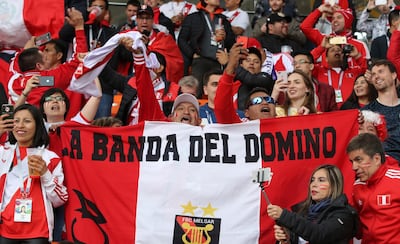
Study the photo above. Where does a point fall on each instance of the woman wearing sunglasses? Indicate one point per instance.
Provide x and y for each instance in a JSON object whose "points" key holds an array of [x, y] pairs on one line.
{"points": [[299, 95]]}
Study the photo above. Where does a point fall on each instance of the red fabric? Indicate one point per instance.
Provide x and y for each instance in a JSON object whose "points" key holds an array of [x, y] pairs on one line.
{"points": [[224, 108], [149, 107], [62, 76], [92, 222], [4, 74], [156, 11], [11, 229], [393, 53], [111, 211], [44, 16], [348, 17], [166, 46], [315, 36], [377, 202]]}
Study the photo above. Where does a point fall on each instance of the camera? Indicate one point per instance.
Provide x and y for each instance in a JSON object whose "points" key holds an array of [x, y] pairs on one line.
{"points": [[262, 175], [347, 49]]}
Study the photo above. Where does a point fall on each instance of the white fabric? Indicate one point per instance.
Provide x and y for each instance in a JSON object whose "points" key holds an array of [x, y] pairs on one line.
{"points": [[241, 20], [12, 25], [94, 62], [156, 212]]}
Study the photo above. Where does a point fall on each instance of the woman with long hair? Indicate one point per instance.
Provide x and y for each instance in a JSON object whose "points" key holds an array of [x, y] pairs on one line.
{"points": [[362, 94], [323, 217], [29, 182], [299, 95]]}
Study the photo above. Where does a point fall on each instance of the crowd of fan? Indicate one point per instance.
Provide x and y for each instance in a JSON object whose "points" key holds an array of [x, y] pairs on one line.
{"points": [[239, 69]]}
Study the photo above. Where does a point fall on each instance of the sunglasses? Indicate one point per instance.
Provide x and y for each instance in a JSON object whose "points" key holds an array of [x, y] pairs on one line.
{"points": [[259, 100], [54, 99]]}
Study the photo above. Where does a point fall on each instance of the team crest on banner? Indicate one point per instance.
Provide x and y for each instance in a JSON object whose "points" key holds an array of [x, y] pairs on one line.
{"points": [[196, 230]]}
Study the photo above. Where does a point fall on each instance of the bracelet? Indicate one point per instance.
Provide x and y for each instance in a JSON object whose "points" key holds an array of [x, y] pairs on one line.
{"points": [[25, 95]]}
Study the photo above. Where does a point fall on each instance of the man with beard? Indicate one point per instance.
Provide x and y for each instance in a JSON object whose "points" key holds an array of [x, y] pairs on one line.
{"points": [[384, 78]]}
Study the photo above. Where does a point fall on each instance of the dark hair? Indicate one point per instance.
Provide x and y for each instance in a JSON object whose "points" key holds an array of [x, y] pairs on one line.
{"points": [[105, 1], [40, 138], [203, 3], [61, 47], [393, 16], [386, 63], [50, 92], [308, 54], [254, 90], [309, 101], [133, 2], [107, 122], [336, 181], [369, 143], [255, 51], [372, 92], [28, 59], [206, 76]]}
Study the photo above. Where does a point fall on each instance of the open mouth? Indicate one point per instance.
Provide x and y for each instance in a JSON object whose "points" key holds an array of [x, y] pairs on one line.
{"points": [[55, 107], [265, 110], [185, 120]]}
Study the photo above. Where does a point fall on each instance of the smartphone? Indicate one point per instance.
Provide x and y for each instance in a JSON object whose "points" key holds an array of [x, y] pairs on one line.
{"points": [[282, 75], [335, 40], [146, 33], [380, 2], [42, 39], [7, 109], [242, 39], [46, 81]]}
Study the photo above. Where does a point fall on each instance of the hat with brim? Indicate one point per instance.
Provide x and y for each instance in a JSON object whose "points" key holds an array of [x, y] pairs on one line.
{"points": [[277, 17], [185, 98]]}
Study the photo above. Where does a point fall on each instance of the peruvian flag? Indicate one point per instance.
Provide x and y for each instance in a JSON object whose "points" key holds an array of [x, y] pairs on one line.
{"points": [[160, 182], [22, 19]]}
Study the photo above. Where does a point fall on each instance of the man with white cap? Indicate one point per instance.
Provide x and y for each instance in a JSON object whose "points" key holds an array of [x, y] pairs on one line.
{"points": [[184, 110]]}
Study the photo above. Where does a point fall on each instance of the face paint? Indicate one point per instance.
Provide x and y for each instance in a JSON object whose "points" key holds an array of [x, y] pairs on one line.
{"points": [[323, 186]]}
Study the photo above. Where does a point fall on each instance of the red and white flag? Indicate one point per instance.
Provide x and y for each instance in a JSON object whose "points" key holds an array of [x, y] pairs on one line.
{"points": [[22, 19], [160, 182]]}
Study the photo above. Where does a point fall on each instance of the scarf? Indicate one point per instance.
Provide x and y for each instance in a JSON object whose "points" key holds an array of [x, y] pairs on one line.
{"points": [[316, 208]]}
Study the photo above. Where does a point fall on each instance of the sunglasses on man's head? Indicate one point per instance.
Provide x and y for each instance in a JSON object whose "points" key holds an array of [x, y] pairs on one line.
{"points": [[259, 100]]}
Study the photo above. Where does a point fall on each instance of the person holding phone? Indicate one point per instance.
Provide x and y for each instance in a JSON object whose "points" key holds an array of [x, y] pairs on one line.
{"points": [[39, 194], [342, 20], [378, 26], [299, 95], [325, 216], [31, 63]]}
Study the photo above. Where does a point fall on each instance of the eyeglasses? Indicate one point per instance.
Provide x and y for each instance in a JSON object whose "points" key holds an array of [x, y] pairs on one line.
{"points": [[301, 61], [54, 99], [259, 100]]}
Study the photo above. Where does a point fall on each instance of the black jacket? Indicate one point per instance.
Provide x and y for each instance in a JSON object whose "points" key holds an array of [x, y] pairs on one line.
{"points": [[250, 81], [337, 224], [193, 27], [273, 43]]}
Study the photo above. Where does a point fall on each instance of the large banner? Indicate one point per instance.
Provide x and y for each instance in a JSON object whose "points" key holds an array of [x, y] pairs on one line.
{"points": [[163, 182]]}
